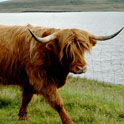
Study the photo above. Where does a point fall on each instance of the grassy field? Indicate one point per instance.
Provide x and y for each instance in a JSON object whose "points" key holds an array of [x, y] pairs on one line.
{"points": [[61, 5], [87, 102]]}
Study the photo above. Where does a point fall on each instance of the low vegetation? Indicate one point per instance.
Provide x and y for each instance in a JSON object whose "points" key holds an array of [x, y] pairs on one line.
{"points": [[86, 101]]}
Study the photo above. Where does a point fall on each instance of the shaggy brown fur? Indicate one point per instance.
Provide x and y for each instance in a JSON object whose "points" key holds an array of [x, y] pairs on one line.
{"points": [[41, 68]]}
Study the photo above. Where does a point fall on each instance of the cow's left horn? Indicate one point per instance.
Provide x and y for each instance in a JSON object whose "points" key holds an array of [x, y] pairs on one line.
{"points": [[44, 39], [105, 37]]}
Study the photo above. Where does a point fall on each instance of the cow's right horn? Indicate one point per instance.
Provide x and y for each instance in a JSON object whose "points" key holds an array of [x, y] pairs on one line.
{"points": [[105, 37], [44, 39]]}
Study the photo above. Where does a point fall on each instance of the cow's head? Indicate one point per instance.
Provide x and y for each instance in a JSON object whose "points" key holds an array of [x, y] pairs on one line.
{"points": [[72, 44]]}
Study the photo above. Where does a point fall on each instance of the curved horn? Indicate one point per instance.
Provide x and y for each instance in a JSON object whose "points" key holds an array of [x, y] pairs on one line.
{"points": [[44, 39], [105, 37]]}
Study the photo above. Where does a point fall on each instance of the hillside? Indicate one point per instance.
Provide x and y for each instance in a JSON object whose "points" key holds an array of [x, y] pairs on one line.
{"points": [[61, 5]]}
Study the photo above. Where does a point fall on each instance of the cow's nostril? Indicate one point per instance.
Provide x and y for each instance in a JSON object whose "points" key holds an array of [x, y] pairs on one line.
{"points": [[77, 67]]}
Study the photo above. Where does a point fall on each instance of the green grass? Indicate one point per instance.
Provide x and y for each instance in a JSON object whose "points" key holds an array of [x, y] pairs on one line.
{"points": [[86, 102]]}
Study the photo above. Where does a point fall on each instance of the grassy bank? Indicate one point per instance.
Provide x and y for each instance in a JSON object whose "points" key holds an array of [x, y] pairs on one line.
{"points": [[87, 102]]}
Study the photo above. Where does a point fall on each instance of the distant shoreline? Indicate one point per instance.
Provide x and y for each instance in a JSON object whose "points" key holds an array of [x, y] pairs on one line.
{"points": [[64, 11], [19, 6], [59, 11], [48, 11]]}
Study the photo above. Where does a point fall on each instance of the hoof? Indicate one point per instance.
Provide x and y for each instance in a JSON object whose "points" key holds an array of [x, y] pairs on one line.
{"points": [[24, 118]]}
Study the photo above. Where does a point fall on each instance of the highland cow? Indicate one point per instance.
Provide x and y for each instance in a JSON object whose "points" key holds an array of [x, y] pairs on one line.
{"points": [[39, 59]]}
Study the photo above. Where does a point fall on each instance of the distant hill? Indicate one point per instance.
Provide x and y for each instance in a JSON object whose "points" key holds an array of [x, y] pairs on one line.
{"points": [[61, 5]]}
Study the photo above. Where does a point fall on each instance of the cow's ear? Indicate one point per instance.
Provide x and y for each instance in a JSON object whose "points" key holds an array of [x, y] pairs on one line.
{"points": [[92, 41]]}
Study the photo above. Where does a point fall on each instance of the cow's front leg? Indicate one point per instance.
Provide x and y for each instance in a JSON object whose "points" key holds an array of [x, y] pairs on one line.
{"points": [[26, 98], [53, 98]]}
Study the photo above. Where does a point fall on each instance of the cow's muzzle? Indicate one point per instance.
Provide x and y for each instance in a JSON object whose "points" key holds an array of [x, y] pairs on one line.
{"points": [[81, 70]]}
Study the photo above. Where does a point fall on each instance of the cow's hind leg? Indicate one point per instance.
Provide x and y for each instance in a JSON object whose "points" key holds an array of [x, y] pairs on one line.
{"points": [[26, 98], [53, 98]]}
